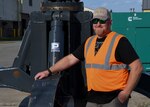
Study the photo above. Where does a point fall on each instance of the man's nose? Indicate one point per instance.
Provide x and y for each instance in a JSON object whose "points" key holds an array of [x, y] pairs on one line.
{"points": [[98, 23]]}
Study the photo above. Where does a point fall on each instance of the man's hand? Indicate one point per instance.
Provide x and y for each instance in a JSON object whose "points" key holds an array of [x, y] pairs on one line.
{"points": [[41, 75], [123, 96]]}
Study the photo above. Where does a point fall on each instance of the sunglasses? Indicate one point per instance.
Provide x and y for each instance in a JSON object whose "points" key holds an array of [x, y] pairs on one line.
{"points": [[96, 20]]}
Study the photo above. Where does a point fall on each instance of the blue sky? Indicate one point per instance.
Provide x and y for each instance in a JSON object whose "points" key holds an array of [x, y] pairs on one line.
{"points": [[115, 5]]}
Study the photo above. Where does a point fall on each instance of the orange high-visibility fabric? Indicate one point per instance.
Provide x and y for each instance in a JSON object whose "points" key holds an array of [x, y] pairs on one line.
{"points": [[101, 79]]}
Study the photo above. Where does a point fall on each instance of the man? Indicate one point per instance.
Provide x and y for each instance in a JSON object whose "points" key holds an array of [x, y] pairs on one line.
{"points": [[107, 56]]}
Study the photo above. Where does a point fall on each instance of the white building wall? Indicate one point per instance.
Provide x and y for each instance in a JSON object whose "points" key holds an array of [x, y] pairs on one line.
{"points": [[28, 9], [8, 10], [1, 9]]}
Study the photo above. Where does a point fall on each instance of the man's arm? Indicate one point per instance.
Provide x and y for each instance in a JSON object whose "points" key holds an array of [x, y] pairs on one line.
{"points": [[61, 65], [134, 76]]}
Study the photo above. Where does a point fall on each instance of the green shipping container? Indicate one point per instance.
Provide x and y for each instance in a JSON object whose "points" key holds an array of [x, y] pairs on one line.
{"points": [[136, 27]]}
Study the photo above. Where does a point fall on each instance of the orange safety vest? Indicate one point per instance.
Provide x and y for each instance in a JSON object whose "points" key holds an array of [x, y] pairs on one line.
{"points": [[104, 73]]}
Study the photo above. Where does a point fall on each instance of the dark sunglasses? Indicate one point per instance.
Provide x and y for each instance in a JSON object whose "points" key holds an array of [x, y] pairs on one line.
{"points": [[96, 20]]}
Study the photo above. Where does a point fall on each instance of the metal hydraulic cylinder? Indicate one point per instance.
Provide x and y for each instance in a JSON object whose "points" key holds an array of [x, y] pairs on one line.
{"points": [[56, 42]]}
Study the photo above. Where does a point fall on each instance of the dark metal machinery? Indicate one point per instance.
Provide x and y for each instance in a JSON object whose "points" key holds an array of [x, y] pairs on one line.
{"points": [[55, 31]]}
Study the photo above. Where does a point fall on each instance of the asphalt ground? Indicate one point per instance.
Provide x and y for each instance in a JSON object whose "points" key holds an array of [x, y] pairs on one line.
{"points": [[12, 98]]}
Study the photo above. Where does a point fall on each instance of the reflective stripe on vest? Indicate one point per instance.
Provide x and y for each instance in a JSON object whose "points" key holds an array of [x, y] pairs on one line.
{"points": [[89, 43], [106, 65], [112, 67]]}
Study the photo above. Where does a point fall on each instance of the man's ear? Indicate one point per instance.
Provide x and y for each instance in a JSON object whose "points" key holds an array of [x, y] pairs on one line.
{"points": [[110, 21]]}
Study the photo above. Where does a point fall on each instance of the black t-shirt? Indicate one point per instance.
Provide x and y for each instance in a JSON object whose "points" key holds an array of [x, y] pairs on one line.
{"points": [[124, 53]]}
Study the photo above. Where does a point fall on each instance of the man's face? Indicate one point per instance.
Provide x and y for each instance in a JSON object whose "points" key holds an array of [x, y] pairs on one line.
{"points": [[101, 28]]}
